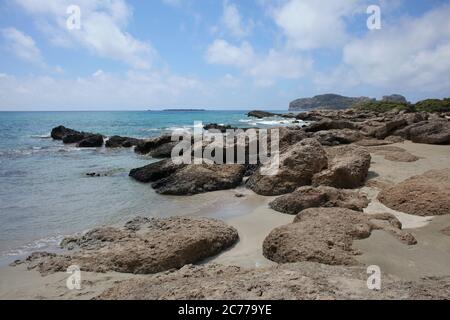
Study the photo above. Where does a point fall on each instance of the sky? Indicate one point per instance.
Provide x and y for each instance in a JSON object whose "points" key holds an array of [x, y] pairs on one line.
{"points": [[217, 54]]}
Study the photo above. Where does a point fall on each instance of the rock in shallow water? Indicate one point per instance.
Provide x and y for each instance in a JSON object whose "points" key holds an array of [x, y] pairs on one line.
{"points": [[423, 195], [143, 246], [310, 197], [326, 235]]}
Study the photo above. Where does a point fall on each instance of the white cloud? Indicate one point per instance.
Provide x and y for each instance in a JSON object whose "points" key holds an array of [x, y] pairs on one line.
{"points": [[222, 52], [233, 22], [101, 90], [311, 24], [279, 65], [102, 30], [412, 55], [265, 69], [22, 46]]}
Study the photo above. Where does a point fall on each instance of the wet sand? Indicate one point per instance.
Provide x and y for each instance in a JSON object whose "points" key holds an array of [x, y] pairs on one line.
{"points": [[253, 219]]}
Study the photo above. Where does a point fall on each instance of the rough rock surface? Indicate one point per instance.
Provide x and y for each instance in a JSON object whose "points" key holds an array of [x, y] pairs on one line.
{"points": [[430, 132], [348, 167], [121, 142], [193, 179], [328, 124], [423, 195], [261, 114], [145, 146], [155, 171], [93, 141], [143, 246], [58, 133], [337, 136], [388, 127], [325, 235], [310, 197], [163, 151], [298, 164], [296, 281]]}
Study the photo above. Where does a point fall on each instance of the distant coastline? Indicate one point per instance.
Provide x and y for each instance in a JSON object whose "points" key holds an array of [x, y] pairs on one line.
{"points": [[183, 110]]}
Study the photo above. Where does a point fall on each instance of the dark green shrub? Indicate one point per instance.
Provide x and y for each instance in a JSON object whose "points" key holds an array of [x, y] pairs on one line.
{"points": [[383, 106], [433, 105]]}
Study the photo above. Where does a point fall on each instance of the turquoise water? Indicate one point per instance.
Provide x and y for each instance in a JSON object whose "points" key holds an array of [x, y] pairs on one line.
{"points": [[45, 193]]}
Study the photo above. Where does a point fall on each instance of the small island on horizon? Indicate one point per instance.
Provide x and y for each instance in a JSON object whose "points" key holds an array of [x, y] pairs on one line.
{"points": [[180, 110]]}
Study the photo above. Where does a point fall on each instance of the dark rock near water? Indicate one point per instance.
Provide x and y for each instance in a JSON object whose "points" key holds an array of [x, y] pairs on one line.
{"points": [[93, 141], [60, 132], [121, 142], [145, 146], [193, 179], [218, 127], [261, 114], [155, 171]]}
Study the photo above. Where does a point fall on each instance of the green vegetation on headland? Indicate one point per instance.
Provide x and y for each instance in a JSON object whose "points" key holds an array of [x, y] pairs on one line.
{"points": [[428, 105]]}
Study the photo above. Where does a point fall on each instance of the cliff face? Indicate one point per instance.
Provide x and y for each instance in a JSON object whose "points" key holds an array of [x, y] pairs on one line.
{"points": [[325, 101]]}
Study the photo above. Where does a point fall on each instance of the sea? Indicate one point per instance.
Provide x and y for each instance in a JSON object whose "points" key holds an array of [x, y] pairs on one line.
{"points": [[45, 193]]}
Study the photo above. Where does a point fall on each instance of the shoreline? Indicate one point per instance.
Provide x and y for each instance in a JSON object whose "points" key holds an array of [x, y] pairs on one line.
{"points": [[253, 219]]}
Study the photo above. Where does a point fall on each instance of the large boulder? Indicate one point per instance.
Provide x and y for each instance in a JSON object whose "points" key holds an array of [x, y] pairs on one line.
{"points": [[93, 141], [261, 114], [310, 197], [143, 246], [348, 167], [326, 235], [427, 194], [58, 133], [121, 142], [298, 164], [433, 132], [199, 178], [145, 146], [155, 171]]}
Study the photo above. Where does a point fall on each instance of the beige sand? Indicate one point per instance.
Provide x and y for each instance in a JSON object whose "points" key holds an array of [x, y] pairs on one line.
{"points": [[253, 219]]}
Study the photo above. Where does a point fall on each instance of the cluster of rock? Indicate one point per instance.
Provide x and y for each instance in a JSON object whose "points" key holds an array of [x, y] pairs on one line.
{"points": [[82, 139]]}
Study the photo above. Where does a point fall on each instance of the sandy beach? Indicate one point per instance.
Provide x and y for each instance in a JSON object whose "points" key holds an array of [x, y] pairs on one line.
{"points": [[253, 219]]}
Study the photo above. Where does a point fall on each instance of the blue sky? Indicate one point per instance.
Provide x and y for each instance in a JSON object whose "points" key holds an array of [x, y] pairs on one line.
{"points": [[218, 54]]}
